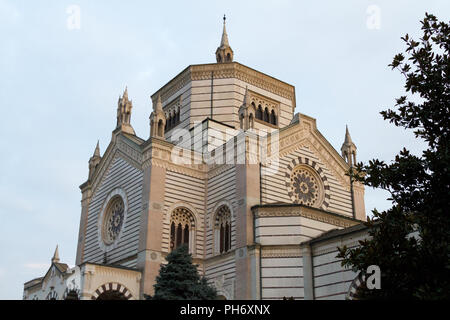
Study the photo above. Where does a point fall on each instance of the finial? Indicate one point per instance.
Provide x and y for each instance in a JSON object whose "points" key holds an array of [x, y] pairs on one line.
{"points": [[125, 93], [245, 96], [55, 258], [224, 18], [159, 103], [97, 149]]}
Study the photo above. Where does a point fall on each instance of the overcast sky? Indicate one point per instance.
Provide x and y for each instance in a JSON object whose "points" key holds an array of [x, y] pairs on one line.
{"points": [[60, 82]]}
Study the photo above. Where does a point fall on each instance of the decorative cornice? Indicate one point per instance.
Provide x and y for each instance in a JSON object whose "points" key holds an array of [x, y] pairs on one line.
{"points": [[224, 71], [281, 252], [305, 212]]}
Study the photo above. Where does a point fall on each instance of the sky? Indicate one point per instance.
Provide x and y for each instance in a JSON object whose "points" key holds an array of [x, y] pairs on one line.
{"points": [[63, 65]]}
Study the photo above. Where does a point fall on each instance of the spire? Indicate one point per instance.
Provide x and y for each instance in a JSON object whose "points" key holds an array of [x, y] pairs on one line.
{"points": [[125, 93], [55, 258], [97, 150], [245, 96], [124, 107], [348, 149], [159, 104], [348, 139], [224, 42], [224, 53]]}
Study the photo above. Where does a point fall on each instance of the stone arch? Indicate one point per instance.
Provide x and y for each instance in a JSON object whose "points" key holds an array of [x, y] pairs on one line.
{"points": [[160, 128], [251, 122], [222, 227], [266, 115], [356, 284], [114, 290], [273, 117], [194, 223]]}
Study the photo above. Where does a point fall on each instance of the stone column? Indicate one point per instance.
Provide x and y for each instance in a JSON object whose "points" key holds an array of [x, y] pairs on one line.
{"points": [[85, 201], [150, 235], [248, 192], [308, 276]]}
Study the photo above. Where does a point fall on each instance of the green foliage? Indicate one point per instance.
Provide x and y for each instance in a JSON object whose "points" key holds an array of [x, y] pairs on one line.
{"points": [[179, 279], [410, 242]]}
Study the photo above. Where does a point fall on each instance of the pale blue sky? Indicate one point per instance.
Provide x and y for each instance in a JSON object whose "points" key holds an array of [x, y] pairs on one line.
{"points": [[59, 90]]}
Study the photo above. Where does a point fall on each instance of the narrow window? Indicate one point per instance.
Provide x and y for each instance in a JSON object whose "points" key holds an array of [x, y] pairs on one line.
{"points": [[172, 236], [186, 235], [266, 115], [179, 235], [227, 237]]}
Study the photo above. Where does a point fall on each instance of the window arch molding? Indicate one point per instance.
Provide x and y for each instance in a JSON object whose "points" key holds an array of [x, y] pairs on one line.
{"points": [[214, 224], [117, 192], [194, 224]]}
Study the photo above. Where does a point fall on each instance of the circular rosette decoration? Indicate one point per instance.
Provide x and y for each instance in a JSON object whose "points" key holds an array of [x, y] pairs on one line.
{"points": [[114, 219], [304, 187]]}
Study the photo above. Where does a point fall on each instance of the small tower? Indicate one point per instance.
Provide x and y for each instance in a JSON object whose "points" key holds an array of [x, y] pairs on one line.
{"points": [[55, 258], [94, 161], [348, 149], [246, 113], [157, 120], [124, 107], [224, 53]]}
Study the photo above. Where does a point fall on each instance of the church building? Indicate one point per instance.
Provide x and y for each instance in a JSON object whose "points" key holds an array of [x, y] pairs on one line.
{"points": [[254, 189]]}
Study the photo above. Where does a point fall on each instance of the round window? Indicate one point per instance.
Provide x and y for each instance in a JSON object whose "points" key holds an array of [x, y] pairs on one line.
{"points": [[305, 186], [113, 220]]}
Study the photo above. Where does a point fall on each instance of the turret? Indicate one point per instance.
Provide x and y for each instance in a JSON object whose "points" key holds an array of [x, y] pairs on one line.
{"points": [[246, 113], [94, 160], [124, 107], [157, 120], [224, 53], [348, 149]]}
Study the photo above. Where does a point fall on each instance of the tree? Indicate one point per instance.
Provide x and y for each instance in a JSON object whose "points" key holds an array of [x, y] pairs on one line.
{"points": [[410, 242], [179, 279]]}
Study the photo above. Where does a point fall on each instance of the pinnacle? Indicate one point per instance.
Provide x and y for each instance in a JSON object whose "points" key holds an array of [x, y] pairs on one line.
{"points": [[56, 255]]}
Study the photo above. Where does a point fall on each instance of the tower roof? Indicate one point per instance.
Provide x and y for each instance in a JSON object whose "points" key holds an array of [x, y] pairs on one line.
{"points": [[348, 139], [245, 96], [158, 104], [55, 258], [224, 41], [97, 149]]}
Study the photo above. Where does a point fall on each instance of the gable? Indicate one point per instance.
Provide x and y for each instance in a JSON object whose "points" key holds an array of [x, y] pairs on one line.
{"points": [[304, 152]]}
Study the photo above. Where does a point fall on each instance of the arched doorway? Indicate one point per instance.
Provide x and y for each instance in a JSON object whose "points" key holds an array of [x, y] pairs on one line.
{"points": [[111, 295], [112, 291]]}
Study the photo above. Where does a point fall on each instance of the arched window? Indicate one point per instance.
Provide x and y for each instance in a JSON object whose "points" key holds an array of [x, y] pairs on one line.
{"points": [[181, 228], [273, 118], [251, 123], [241, 119], [160, 128], [259, 115], [222, 230], [266, 115], [178, 116], [228, 57]]}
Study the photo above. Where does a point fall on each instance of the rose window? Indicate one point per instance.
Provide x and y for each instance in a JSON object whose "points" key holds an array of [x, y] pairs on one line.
{"points": [[113, 220], [304, 187]]}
